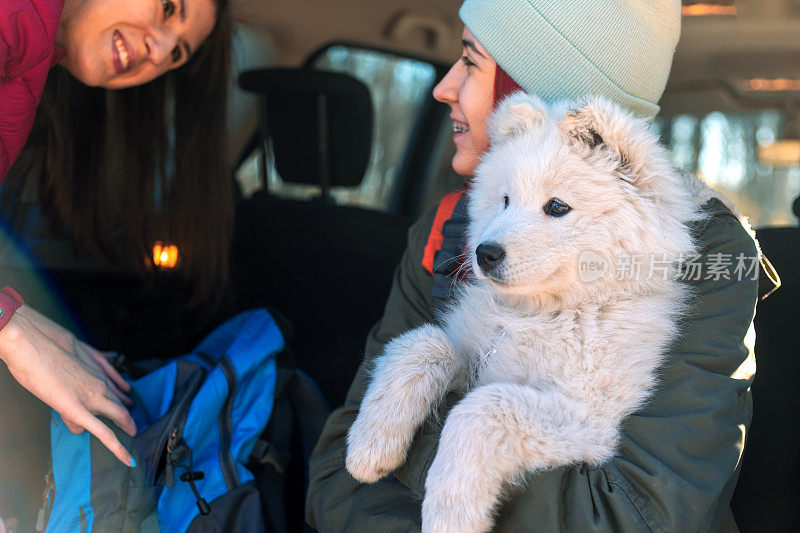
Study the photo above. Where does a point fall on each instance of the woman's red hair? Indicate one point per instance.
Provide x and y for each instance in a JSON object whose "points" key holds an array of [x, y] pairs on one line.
{"points": [[503, 86]]}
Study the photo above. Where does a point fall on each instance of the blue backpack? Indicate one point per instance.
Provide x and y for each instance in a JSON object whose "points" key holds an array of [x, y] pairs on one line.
{"points": [[206, 422]]}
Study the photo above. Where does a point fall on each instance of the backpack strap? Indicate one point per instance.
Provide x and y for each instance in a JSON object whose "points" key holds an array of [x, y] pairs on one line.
{"points": [[447, 207], [270, 457], [447, 246], [299, 414]]}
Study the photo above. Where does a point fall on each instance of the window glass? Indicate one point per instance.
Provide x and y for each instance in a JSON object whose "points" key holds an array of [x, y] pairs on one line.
{"points": [[398, 87], [735, 154]]}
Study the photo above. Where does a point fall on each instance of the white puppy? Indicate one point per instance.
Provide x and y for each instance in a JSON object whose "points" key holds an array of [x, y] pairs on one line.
{"points": [[577, 223]]}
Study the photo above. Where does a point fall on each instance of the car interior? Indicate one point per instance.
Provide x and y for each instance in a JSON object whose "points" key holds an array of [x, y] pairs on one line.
{"points": [[337, 146]]}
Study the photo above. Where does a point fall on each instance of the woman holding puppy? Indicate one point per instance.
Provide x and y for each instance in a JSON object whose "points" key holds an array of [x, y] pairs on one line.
{"points": [[679, 457]]}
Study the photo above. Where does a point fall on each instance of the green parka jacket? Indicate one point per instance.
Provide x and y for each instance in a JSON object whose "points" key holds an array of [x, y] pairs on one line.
{"points": [[679, 457]]}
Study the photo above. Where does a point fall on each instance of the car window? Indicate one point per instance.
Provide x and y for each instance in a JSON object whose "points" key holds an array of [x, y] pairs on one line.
{"points": [[742, 154], [398, 87]]}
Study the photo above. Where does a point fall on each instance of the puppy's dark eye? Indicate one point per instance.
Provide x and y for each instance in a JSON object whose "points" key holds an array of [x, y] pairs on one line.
{"points": [[506, 201], [556, 208]]}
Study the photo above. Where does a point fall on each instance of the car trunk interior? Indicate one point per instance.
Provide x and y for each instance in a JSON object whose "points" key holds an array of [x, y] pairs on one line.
{"points": [[328, 265]]}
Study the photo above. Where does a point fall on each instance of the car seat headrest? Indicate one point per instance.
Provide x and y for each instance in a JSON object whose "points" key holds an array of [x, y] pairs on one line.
{"points": [[319, 124]]}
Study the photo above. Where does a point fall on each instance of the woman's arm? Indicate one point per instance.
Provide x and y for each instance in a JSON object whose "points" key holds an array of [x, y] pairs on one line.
{"points": [[26, 50], [5, 111], [68, 375], [17, 105]]}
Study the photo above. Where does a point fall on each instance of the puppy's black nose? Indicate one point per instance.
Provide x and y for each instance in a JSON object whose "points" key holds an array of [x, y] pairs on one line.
{"points": [[489, 256]]}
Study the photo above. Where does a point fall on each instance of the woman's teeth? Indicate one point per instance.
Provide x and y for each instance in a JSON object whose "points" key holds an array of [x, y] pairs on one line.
{"points": [[123, 53], [460, 128]]}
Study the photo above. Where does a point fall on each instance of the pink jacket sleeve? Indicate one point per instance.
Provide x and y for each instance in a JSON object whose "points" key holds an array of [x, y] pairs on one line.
{"points": [[27, 40]]}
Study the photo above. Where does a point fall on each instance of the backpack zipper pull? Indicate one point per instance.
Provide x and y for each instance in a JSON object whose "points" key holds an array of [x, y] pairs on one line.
{"points": [[172, 459], [190, 477], [169, 473], [177, 450]]}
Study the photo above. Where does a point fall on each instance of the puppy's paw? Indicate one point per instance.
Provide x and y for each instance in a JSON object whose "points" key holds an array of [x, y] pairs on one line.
{"points": [[373, 451], [447, 511], [456, 497]]}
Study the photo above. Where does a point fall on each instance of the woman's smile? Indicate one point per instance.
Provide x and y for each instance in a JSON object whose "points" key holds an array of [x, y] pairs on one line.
{"points": [[459, 127], [468, 89], [118, 44], [124, 57]]}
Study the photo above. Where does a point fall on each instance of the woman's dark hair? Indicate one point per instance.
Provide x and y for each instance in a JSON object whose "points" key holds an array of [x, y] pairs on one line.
{"points": [[141, 165]]}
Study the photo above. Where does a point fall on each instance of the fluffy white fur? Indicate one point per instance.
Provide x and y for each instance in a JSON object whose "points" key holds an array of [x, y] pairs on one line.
{"points": [[551, 364]]}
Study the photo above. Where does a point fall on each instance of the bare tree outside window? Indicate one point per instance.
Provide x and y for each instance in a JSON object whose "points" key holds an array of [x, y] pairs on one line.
{"points": [[723, 150]]}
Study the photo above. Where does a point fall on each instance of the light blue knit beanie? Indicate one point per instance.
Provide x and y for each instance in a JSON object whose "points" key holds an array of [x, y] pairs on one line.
{"points": [[567, 49]]}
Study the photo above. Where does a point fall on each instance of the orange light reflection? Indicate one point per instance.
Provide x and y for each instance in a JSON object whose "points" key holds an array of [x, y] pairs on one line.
{"points": [[774, 85], [780, 153], [165, 255], [703, 10]]}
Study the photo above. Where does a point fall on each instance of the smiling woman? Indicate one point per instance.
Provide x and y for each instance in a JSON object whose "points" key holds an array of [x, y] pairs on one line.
{"points": [[116, 170], [469, 90], [122, 43], [141, 158]]}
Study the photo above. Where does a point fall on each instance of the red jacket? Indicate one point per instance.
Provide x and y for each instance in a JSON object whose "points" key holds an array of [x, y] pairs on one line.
{"points": [[27, 51]]}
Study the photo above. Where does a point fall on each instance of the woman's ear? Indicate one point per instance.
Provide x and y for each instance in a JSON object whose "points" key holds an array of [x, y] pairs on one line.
{"points": [[517, 114]]}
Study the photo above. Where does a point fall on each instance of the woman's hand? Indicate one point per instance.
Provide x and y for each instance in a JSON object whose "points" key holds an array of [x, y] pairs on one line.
{"points": [[68, 375], [89, 355]]}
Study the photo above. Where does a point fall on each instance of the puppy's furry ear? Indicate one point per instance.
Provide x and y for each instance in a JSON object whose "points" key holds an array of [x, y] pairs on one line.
{"points": [[598, 127], [601, 125], [517, 114]]}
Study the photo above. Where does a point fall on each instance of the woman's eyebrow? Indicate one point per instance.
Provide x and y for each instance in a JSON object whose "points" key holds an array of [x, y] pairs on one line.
{"points": [[468, 43]]}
